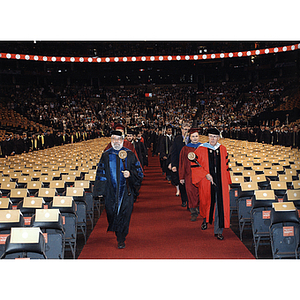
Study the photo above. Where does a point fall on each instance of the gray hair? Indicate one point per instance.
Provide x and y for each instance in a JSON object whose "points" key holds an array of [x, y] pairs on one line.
{"points": [[185, 124]]}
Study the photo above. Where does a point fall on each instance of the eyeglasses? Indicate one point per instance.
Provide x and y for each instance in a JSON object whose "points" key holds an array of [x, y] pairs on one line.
{"points": [[116, 139]]}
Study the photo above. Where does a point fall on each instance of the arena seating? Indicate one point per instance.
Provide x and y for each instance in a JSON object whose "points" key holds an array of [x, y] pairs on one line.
{"points": [[63, 169]]}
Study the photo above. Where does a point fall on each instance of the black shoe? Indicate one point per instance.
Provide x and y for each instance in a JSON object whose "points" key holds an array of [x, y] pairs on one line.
{"points": [[121, 245], [193, 218], [219, 236], [204, 226], [183, 204]]}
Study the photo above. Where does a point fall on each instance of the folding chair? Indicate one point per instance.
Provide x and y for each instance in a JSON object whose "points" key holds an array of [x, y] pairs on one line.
{"points": [[279, 188], [16, 195], [47, 194], [35, 175], [26, 171], [59, 186], [46, 179], [294, 196], [259, 169], [5, 203], [50, 222], [284, 230], [63, 171], [237, 170], [88, 197], [68, 179], [287, 178], [296, 184], [22, 181], [78, 196], [34, 186], [272, 175], [45, 170], [9, 218], [15, 176], [55, 174], [28, 205], [296, 167], [76, 173], [292, 172], [284, 163], [248, 165], [278, 168], [91, 176], [5, 179], [25, 243], [260, 216], [248, 174], [83, 170], [261, 180], [244, 204], [6, 187], [233, 192], [67, 208]]}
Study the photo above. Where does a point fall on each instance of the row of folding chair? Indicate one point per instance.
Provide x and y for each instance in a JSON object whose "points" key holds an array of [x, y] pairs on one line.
{"points": [[279, 183], [57, 222], [242, 190], [84, 201], [262, 175], [261, 219], [57, 174]]}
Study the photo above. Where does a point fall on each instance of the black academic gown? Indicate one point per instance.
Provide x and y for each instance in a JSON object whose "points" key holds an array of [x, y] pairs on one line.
{"points": [[111, 184]]}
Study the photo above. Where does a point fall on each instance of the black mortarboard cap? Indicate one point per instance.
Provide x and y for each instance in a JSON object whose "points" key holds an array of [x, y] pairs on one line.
{"points": [[213, 130]]}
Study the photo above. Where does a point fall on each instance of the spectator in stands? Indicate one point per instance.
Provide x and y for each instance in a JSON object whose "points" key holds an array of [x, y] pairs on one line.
{"points": [[277, 136], [267, 135], [260, 134], [73, 110], [286, 137], [18, 144], [251, 135], [27, 143], [7, 146], [295, 137]]}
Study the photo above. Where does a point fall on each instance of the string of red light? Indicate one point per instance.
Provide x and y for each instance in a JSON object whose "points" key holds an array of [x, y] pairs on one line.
{"points": [[150, 58]]}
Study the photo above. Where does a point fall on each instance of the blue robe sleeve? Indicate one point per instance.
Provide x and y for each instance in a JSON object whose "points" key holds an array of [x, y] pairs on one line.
{"points": [[100, 180], [136, 175]]}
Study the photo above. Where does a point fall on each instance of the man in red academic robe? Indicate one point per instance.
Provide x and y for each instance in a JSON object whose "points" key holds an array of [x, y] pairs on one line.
{"points": [[212, 178], [185, 173]]}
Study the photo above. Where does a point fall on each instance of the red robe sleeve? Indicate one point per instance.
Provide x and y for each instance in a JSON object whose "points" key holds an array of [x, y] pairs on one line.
{"points": [[198, 173]]}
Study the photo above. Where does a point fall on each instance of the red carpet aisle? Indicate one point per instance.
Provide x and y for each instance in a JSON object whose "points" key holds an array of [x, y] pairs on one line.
{"points": [[161, 228]]}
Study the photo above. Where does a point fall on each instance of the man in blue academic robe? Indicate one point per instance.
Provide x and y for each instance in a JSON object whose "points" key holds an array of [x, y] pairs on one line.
{"points": [[118, 180]]}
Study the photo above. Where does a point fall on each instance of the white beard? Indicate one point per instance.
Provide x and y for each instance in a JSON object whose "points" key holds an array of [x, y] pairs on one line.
{"points": [[117, 147]]}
